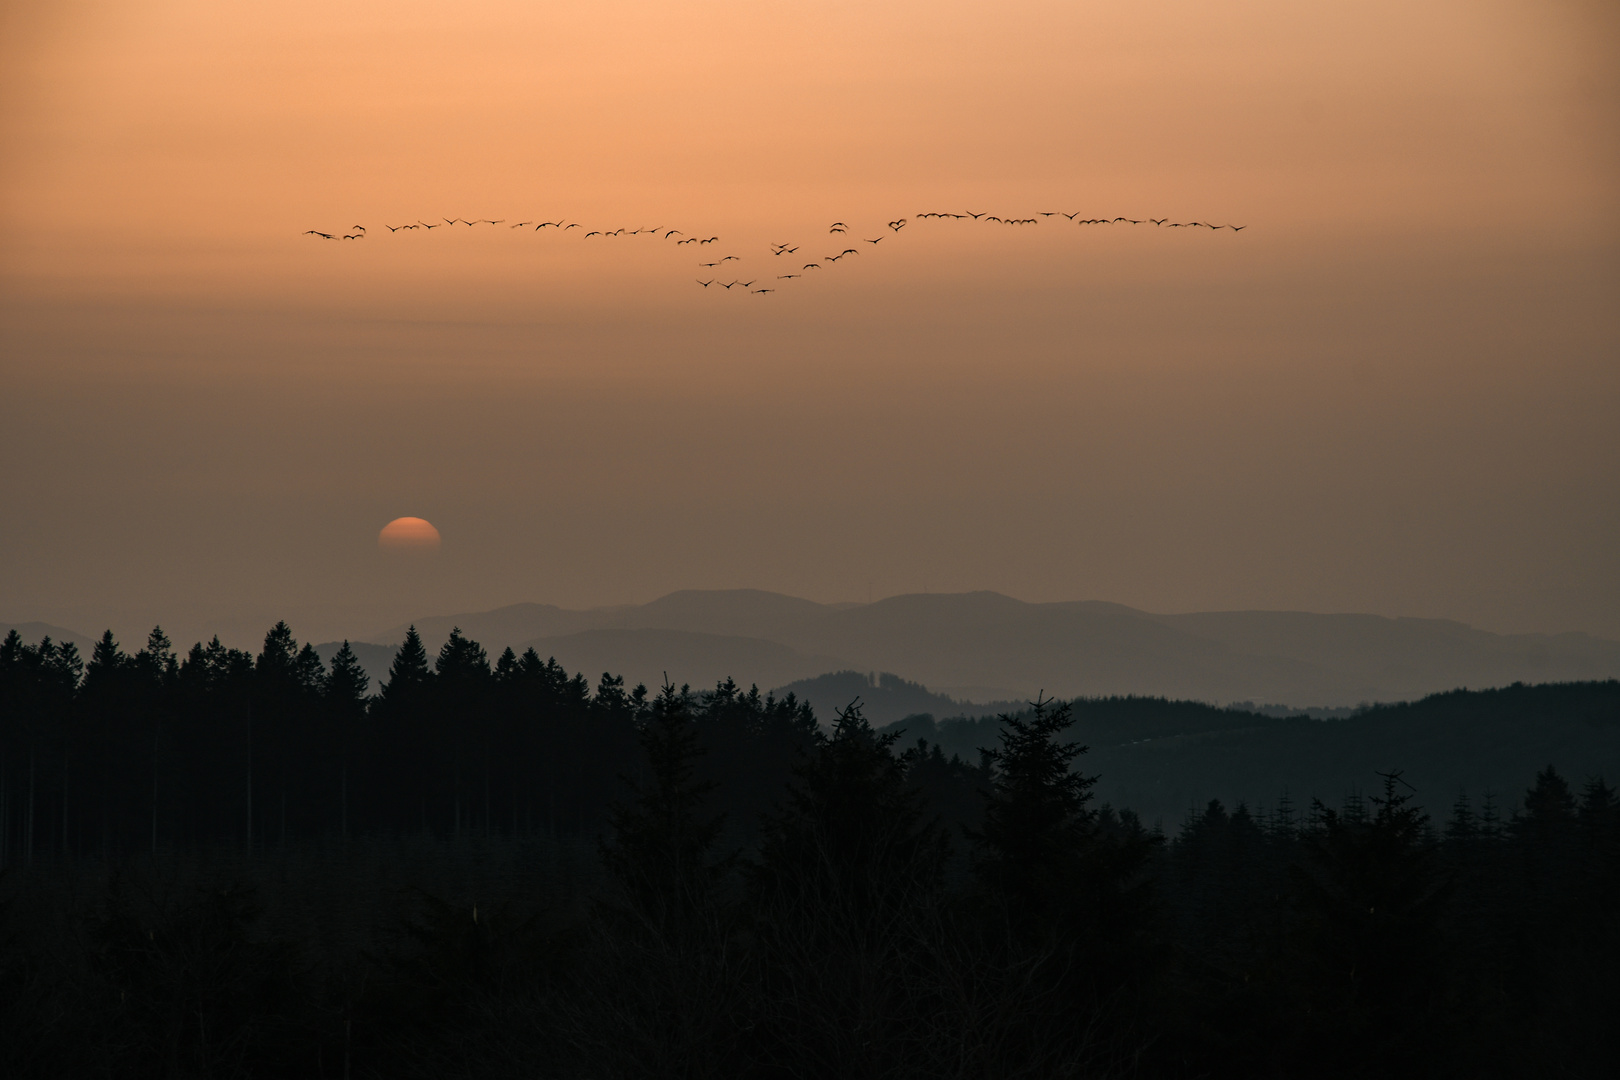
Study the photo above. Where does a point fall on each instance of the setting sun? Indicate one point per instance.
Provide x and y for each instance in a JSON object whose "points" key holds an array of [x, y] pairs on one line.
{"points": [[408, 534]]}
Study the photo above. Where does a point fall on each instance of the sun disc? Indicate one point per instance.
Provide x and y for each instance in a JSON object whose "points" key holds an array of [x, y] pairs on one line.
{"points": [[408, 534]]}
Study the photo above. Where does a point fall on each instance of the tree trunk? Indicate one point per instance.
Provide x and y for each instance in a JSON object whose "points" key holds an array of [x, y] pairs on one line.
{"points": [[250, 778], [154, 790], [28, 840]]}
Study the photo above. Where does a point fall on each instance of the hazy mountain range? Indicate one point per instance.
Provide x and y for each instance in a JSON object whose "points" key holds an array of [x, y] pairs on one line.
{"points": [[984, 647]]}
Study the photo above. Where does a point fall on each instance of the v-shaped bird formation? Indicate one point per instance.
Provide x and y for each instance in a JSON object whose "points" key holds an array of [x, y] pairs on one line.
{"points": [[769, 283]]}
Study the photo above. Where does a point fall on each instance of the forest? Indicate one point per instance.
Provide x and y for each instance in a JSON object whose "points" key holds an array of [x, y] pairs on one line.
{"points": [[222, 864]]}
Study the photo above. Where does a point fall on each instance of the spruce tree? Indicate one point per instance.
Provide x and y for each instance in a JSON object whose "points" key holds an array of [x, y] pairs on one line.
{"points": [[851, 833], [660, 843], [409, 673], [1038, 832]]}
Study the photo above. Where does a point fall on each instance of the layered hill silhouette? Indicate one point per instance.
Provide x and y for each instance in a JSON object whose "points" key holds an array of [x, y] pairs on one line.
{"points": [[982, 646]]}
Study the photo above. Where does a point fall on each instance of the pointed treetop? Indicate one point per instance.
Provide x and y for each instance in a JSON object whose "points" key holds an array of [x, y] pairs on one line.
{"points": [[462, 659], [348, 681]]}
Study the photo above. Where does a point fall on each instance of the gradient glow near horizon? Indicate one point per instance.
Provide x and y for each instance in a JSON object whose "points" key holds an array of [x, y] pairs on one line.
{"points": [[1395, 391]]}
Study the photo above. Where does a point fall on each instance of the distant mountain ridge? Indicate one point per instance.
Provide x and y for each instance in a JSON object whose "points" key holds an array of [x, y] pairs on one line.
{"points": [[1007, 648], [32, 632]]}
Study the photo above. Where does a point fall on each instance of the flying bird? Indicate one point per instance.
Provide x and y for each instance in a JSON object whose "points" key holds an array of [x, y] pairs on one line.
{"points": [[811, 266], [592, 233], [757, 292], [728, 258], [786, 277], [871, 241], [705, 284], [673, 232]]}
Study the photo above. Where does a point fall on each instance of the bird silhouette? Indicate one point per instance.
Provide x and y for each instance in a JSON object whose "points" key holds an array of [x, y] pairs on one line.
{"points": [[674, 232], [757, 292], [520, 224], [787, 277], [574, 225], [708, 264], [728, 258], [706, 284], [592, 233], [872, 241], [811, 266]]}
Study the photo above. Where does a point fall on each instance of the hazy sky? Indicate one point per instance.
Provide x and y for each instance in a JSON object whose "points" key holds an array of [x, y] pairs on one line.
{"points": [[1397, 390]]}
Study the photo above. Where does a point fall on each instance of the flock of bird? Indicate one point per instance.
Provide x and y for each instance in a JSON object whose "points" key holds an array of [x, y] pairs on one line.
{"points": [[768, 283]]}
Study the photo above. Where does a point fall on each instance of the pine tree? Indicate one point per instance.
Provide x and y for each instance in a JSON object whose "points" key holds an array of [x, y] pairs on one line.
{"points": [[851, 833], [348, 682], [659, 844], [1038, 830], [409, 673], [1370, 897]]}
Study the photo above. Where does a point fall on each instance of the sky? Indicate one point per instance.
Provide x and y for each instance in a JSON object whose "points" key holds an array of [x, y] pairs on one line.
{"points": [[1395, 391]]}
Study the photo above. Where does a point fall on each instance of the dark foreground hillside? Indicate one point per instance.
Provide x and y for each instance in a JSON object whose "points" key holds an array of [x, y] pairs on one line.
{"points": [[1162, 758], [234, 865]]}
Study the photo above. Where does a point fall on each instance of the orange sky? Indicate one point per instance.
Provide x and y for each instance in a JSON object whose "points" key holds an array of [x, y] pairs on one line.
{"points": [[1395, 391]]}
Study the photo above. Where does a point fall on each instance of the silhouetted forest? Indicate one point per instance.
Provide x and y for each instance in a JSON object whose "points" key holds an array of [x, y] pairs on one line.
{"points": [[222, 864]]}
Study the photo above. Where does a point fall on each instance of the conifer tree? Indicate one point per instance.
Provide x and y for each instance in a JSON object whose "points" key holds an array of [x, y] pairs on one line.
{"points": [[409, 673], [348, 682], [851, 833], [1038, 830], [660, 843]]}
